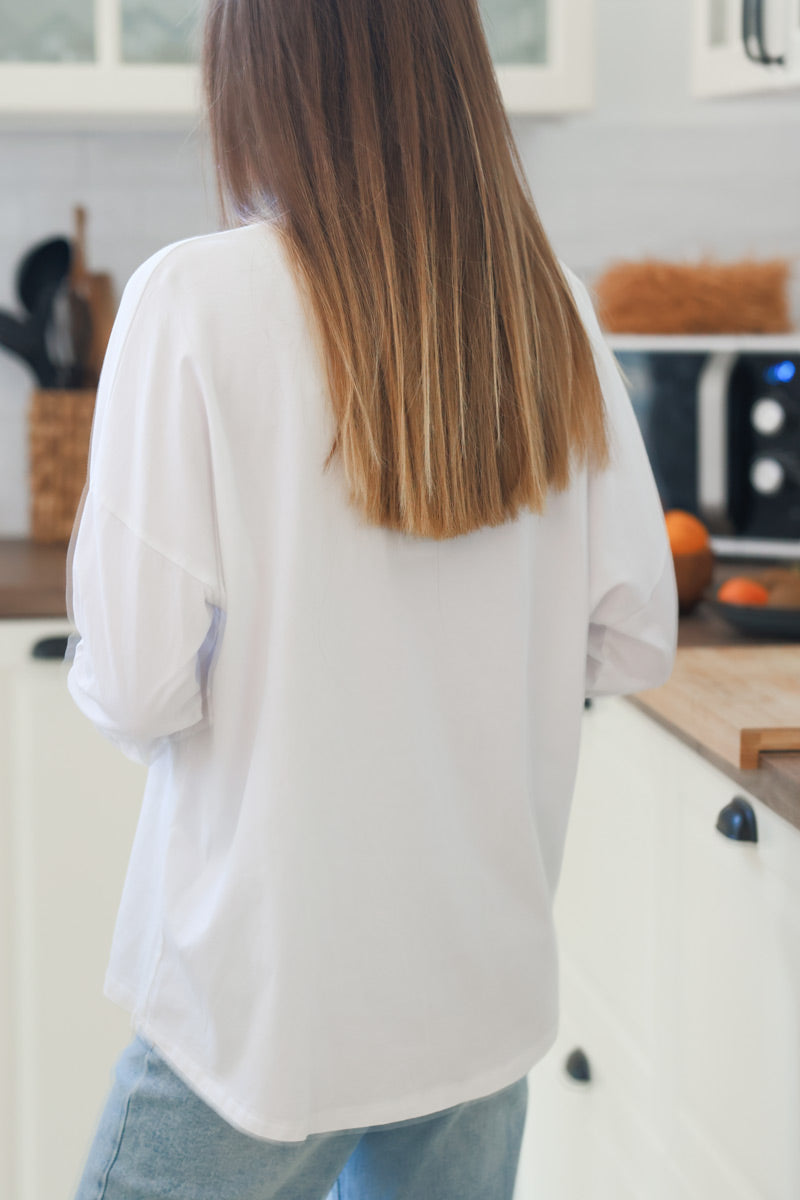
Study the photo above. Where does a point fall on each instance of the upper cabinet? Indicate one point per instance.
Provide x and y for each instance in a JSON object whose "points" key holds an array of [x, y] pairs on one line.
{"points": [[544, 51], [86, 61], [743, 46], [90, 61]]}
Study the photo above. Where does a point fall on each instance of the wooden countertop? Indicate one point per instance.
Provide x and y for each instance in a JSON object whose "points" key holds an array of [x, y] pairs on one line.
{"points": [[33, 584], [777, 781], [32, 579]]}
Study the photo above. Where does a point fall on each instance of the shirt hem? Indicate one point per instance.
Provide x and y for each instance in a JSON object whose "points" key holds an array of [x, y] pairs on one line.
{"points": [[406, 1108]]}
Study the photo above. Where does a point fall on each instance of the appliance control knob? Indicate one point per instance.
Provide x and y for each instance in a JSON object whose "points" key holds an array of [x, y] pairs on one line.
{"points": [[768, 416], [767, 476]]}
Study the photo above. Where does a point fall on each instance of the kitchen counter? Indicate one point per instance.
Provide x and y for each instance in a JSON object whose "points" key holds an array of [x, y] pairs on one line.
{"points": [[33, 584], [777, 781], [32, 579]]}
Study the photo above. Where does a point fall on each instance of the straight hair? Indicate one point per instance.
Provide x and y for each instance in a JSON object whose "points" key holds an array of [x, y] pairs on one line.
{"points": [[373, 135]]}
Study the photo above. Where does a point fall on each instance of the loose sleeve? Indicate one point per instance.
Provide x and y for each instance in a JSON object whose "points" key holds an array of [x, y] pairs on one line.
{"points": [[633, 605], [144, 591]]}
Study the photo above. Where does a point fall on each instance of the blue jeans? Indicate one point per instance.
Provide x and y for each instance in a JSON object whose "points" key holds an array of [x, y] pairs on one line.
{"points": [[157, 1140]]}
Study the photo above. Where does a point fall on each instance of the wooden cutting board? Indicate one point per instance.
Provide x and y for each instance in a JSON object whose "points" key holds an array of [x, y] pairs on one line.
{"points": [[736, 700]]}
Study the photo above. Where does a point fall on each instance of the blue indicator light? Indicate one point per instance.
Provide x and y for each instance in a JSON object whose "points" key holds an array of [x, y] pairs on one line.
{"points": [[781, 372]]}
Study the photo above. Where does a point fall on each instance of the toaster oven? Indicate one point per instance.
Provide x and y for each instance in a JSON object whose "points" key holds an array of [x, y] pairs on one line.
{"points": [[720, 418]]}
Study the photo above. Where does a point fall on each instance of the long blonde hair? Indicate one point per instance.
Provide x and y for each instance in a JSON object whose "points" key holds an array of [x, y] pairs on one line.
{"points": [[372, 131]]}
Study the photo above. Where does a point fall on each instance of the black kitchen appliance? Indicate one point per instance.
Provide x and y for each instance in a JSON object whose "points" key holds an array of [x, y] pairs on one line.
{"points": [[720, 417]]}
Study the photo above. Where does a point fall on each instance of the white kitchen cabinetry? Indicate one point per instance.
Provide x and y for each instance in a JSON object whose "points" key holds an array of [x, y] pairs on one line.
{"points": [[95, 61], [743, 46], [680, 981], [99, 59], [69, 802]]}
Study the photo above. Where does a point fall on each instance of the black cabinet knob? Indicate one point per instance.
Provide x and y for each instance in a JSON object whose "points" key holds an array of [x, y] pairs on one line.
{"points": [[577, 1066], [587, 703], [738, 821], [52, 647]]}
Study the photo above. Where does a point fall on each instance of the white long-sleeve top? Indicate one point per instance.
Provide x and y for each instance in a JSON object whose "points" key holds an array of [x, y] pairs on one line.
{"points": [[362, 745]]}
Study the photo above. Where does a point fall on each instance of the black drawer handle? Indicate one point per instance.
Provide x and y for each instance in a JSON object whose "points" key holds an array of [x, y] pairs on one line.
{"points": [[51, 647], [738, 821], [577, 1066]]}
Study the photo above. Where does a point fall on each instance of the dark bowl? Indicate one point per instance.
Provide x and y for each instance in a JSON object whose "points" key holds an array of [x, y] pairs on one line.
{"points": [[760, 620]]}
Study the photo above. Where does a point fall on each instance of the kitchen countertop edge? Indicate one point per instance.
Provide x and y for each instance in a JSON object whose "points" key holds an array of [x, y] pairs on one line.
{"points": [[776, 781]]}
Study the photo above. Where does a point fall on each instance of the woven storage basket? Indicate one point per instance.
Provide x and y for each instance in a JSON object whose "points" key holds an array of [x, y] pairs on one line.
{"points": [[653, 296], [59, 428]]}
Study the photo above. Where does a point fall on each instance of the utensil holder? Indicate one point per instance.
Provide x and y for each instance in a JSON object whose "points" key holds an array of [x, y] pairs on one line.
{"points": [[59, 430]]}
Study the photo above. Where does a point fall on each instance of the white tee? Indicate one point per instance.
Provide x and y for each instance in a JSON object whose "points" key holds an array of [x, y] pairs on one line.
{"points": [[362, 745]]}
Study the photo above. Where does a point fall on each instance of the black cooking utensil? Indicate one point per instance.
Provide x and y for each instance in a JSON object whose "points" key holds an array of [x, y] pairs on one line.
{"points": [[27, 338], [44, 264], [15, 335]]}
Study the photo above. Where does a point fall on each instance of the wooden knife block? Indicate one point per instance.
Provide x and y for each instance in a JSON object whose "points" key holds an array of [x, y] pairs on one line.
{"points": [[59, 431]]}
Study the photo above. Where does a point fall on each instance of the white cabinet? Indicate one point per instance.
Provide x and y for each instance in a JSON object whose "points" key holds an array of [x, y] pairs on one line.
{"points": [[101, 60], [544, 51], [69, 802], [680, 983], [735, 1075], [742, 46]]}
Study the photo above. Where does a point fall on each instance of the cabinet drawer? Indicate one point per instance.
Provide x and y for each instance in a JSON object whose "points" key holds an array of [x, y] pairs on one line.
{"points": [[590, 1141], [607, 906], [70, 806]]}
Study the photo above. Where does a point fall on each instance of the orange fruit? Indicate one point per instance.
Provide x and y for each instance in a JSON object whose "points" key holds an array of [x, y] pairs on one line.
{"points": [[687, 535], [742, 591]]}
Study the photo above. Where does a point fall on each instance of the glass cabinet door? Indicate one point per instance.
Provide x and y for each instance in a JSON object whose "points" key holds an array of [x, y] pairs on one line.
{"points": [[99, 59], [45, 31], [160, 31], [517, 30]]}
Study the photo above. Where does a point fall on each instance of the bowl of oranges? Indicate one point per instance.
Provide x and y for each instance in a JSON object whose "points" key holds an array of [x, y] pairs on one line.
{"points": [[762, 602], [765, 603]]}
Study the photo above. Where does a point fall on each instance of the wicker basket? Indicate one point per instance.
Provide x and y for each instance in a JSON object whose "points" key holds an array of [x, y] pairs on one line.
{"points": [[654, 296], [59, 428]]}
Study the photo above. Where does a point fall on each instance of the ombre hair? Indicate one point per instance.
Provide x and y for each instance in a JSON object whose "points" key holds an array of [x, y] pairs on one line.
{"points": [[372, 133]]}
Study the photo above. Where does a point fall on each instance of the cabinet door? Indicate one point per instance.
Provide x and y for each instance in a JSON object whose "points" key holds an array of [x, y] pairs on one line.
{"points": [[726, 62], [544, 52], [167, 32], [85, 63], [70, 805], [607, 907], [590, 1139], [735, 1073], [619, 847]]}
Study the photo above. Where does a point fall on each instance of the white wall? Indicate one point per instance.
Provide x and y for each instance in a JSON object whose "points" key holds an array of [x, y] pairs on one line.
{"points": [[648, 172]]}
